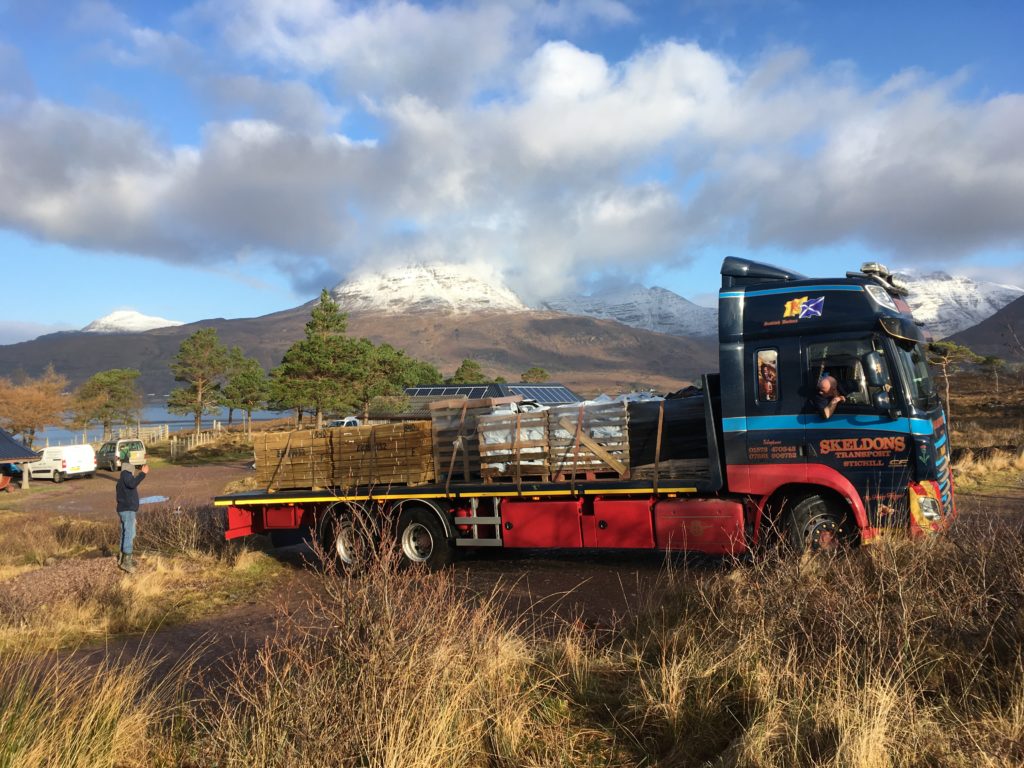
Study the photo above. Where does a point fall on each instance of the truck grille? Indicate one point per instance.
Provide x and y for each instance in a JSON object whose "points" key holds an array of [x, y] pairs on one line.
{"points": [[942, 462]]}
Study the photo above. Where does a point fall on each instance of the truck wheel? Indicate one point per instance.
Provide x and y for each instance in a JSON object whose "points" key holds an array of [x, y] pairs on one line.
{"points": [[347, 543], [58, 477], [423, 540], [816, 524]]}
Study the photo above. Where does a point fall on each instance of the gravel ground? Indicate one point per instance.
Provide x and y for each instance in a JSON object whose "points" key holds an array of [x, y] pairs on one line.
{"points": [[76, 577]]}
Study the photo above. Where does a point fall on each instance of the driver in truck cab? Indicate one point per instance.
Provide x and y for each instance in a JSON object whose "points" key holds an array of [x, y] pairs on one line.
{"points": [[828, 397]]}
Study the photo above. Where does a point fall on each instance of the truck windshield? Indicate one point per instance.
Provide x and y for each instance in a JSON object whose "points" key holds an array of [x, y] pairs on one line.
{"points": [[913, 364]]}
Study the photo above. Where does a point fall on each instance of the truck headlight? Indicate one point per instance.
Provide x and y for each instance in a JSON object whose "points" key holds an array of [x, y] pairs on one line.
{"points": [[929, 509]]}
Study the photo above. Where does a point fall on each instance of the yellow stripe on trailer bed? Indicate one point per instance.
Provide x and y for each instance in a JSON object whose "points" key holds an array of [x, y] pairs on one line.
{"points": [[480, 495]]}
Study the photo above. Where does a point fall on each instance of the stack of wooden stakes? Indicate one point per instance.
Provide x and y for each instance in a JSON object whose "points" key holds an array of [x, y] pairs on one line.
{"points": [[587, 442], [346, 457]]}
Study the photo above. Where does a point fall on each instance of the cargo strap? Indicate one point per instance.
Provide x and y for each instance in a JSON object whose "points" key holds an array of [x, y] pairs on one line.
{"points": [[516, 455], [280, 461], [657, 444], [457, 445]]}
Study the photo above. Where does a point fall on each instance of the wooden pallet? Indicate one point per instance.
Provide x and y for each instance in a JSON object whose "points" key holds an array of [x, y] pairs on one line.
{"points": [[383, 454], [456, 443], [513, 447], [588, 441]]}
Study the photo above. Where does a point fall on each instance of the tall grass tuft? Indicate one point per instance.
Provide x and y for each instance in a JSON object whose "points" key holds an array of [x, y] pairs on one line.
{"points": [[56, 712]]}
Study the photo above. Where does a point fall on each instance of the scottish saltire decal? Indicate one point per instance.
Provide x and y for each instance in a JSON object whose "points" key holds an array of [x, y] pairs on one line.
{"points": [[804, 307], [812, 308]]}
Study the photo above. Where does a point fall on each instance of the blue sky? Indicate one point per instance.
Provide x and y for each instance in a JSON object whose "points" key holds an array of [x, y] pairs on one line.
{"points": [[226, 158]]}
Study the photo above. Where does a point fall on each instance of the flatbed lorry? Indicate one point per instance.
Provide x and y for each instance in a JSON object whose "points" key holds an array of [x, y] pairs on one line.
{"points": [[774, 465]]}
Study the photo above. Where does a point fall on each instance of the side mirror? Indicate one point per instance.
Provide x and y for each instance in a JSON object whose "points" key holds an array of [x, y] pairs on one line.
{"points": [[884, 403], [874, 370]]}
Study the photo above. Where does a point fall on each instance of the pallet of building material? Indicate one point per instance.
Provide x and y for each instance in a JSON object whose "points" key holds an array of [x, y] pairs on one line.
{"points": [[383, 454], [456, 441], [513, 446], [690, 470], [296, 459], [588, 441]]}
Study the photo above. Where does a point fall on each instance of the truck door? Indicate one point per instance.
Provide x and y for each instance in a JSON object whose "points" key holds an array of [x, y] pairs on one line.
{"points": [[865, 439], [775, 433]]}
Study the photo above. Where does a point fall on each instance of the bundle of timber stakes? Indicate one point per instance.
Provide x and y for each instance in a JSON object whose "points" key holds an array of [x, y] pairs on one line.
{"points": [[456, 440], [346, 457], [588, 441], [513, 446]]}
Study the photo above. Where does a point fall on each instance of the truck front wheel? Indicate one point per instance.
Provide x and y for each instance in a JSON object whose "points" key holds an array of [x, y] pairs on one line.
{"points": [[816, 524], [423, 540]]}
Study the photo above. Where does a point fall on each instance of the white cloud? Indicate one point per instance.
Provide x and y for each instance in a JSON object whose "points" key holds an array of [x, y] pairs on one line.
{"points": [[540, 157]]}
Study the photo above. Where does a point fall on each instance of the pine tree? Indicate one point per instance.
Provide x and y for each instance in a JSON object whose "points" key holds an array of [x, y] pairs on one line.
{"points": [[948, 356], [468, 372], [246, 388], [318, 371], [202, 364], [534, 375]]}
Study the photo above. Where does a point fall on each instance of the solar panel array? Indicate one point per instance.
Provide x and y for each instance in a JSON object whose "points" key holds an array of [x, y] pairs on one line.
{"points": [[549, 394], [473, 392]]}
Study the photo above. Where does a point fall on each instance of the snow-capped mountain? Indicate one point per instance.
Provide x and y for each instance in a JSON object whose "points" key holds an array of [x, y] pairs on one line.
{"points": [[455, 288], [947, 304], [128, 321], [653, 309]]}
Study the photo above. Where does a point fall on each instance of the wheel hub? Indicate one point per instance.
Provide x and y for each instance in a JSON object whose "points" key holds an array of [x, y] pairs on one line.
{"points": [[417, 542], [823, 534]]}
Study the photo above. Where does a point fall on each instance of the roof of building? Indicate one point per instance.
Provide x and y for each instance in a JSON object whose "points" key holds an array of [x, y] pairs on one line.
{"points": [[414, 407], [13, 451], [547, 393]]}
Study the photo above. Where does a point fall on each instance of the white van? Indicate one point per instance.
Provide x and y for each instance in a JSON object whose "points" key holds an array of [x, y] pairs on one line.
{"points": [[61, 461]]}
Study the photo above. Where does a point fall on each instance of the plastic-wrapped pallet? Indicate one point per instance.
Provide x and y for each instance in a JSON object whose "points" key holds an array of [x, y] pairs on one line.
{"points": [[456, 440], [588, 440], [513, 446]]}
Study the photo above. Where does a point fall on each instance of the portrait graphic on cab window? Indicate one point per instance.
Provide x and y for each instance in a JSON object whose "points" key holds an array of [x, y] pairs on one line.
{"points": [[767, 375]]}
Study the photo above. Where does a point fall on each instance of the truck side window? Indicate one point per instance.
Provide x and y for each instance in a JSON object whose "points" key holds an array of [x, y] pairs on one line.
{"points": [[843, 360], [767, 375]]}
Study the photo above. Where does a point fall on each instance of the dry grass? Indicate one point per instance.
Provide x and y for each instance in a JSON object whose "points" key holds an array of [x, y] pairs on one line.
{"points": [[977, 470], [59, 713], [901, 654]]}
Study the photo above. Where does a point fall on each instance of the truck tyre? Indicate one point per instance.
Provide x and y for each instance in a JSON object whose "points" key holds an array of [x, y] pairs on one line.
{"points": [[58, 477], [423, 541], [816, 524], [347, 543]]}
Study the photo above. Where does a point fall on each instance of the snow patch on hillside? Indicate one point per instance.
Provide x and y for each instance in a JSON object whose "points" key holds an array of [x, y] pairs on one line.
{"points": [[947, 304], [653, 309], [128, 321], [454, 288]]}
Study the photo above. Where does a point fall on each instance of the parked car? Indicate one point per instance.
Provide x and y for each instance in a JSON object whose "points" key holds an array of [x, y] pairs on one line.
{"points": [[60, 462], [113, 452], [348, 421]]}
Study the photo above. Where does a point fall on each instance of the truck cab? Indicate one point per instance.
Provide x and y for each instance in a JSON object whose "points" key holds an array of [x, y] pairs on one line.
{"points": [[880, 461]]}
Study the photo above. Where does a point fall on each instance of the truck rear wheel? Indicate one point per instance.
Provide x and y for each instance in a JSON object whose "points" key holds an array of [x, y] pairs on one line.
{"points": [[348, 542], [58, 477], [816, 524], [423, 541]]}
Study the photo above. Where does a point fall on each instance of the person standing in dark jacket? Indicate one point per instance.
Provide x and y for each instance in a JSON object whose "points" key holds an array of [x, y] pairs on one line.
{"points": [[127, 508]]}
